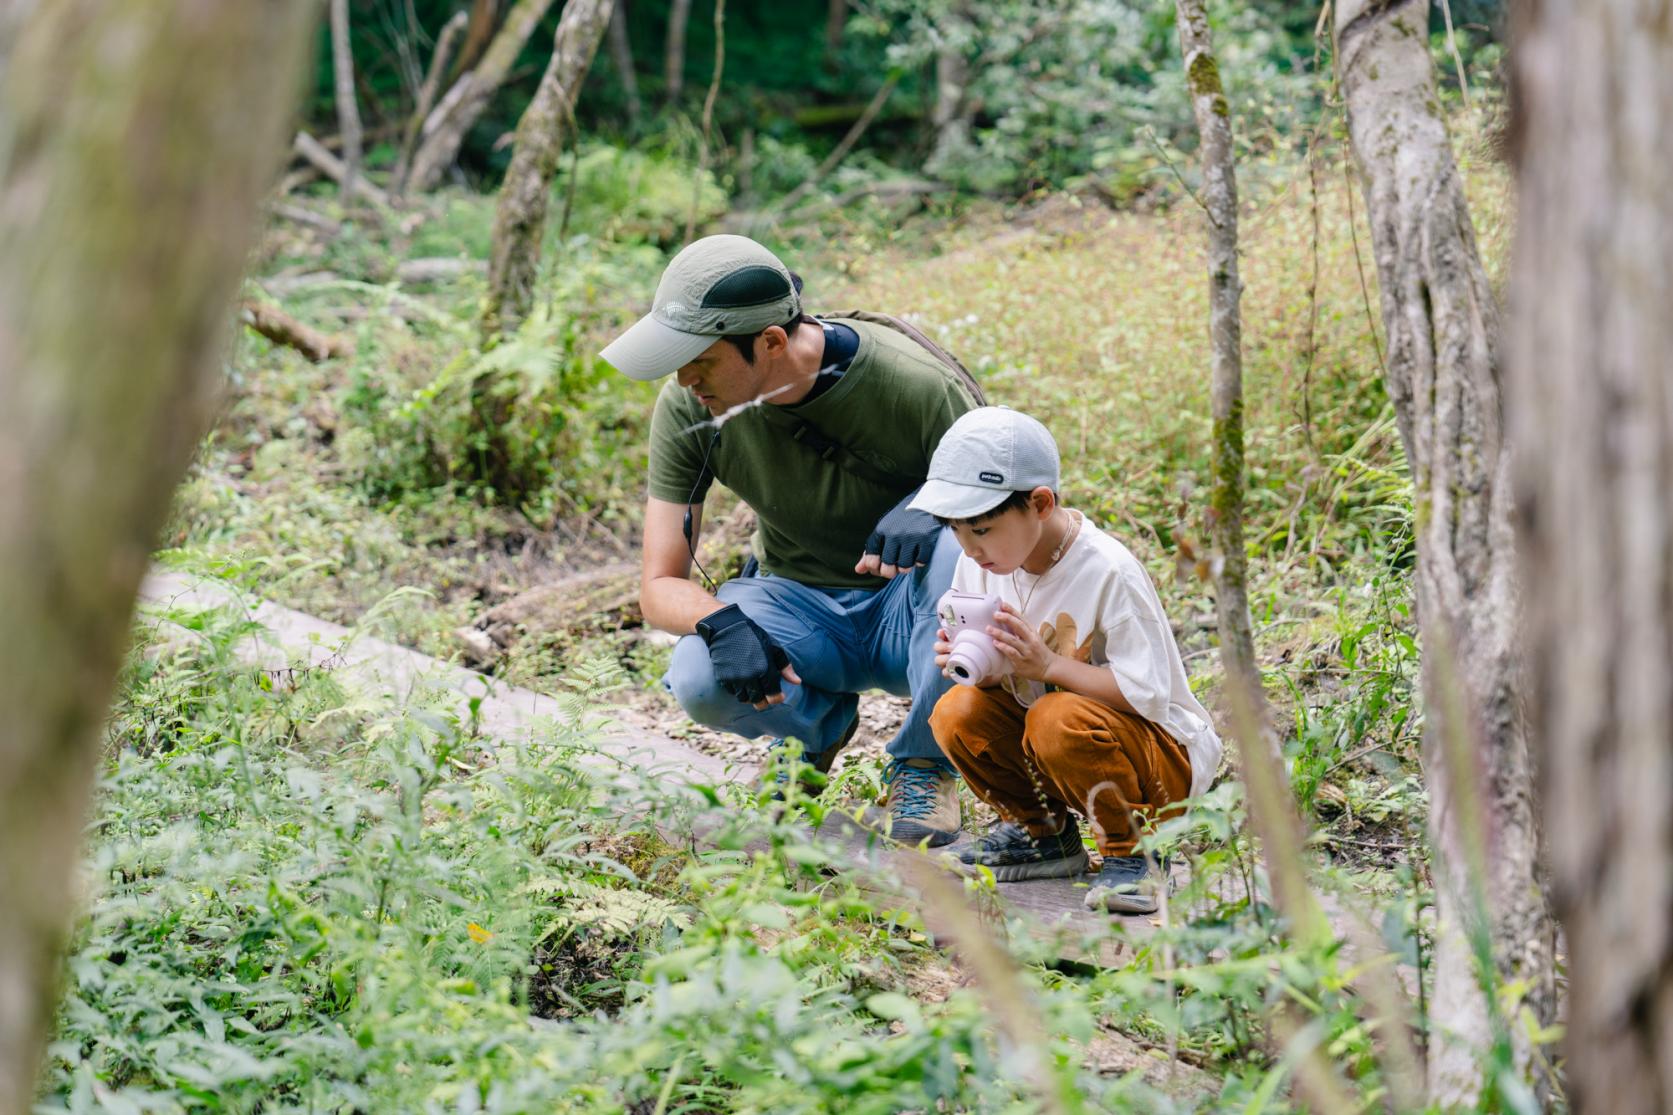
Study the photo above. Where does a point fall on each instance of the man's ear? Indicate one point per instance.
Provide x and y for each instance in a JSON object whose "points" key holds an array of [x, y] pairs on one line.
{"points": [[773, 341]]}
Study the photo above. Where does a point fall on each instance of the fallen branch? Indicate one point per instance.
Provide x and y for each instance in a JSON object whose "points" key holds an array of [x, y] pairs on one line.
{"points": [[282, 329], [841, 150], [302, 216], [332, 167]]}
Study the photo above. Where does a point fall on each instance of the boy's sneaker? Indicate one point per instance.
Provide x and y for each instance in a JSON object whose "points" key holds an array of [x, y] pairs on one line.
{"points": [[1127, 885], [1011, 853], [921, 803], [821, 763]]}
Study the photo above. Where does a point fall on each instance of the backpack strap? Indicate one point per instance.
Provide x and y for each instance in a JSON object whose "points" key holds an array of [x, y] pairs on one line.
{"points": [[906, 328], [827, 448]]}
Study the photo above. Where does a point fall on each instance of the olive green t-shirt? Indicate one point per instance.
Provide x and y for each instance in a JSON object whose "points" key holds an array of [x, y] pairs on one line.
{"points": [[814, 516]]}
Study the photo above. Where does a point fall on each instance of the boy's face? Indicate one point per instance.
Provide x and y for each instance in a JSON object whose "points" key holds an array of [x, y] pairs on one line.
{"points": [[1001, 544]]}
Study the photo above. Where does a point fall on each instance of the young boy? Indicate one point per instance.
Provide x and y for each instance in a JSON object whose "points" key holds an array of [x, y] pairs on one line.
{"points": [[1095, 715]]}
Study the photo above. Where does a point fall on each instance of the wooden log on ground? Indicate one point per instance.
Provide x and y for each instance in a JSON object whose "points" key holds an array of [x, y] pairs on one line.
{"points": [[282, 329], [332, 167]]}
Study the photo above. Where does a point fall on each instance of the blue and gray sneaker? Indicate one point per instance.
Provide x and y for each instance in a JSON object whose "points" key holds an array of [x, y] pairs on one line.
{"points": [[921, 803], [1128, 885], [1011, 853], [814, 784]]}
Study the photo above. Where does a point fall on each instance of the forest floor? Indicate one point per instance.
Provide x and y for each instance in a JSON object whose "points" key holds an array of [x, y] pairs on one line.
{"points": [[304, 809]]}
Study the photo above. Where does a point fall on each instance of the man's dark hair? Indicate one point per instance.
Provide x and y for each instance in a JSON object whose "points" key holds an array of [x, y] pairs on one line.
{"points": [[745, 342], [1014, 501]]}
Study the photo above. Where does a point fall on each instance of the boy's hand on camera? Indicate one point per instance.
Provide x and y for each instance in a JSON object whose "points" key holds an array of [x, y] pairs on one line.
{"points": [[1018, 641], [943, 650]]}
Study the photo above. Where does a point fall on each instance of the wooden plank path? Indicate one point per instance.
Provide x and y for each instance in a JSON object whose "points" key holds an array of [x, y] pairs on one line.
{"points": [[1048, 910]]}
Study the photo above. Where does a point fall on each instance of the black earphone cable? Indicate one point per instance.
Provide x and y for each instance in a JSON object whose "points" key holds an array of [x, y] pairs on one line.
{"points": [[690, 542]]}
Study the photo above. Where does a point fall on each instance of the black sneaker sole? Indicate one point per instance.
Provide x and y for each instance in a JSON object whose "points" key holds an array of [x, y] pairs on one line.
{"points": [[910, 832], [1064, 867]]}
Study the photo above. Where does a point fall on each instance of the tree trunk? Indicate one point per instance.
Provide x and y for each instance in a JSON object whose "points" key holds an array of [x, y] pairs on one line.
{"points": [[140, 136], [444, 132], [520, 219], [950, 117], [348, 111], [484, 21], [1225, 289], [1592, 414], [673, 53], [621, 56], [427, 92], [836, 20], [1444, 379], [520, 216]]}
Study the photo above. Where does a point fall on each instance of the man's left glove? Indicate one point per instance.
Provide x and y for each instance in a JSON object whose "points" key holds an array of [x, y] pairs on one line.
{"points": [[747, 663], [902, 538]]}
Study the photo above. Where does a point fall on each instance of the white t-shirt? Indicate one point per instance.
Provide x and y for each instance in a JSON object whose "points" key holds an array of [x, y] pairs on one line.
{"points": [[1097, 605]]}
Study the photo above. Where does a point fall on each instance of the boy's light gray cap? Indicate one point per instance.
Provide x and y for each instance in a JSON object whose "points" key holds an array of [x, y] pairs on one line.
{"points": [[983, 457], [716, 286]]}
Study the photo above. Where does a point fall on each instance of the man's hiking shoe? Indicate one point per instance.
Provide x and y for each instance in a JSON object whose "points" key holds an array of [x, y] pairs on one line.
{"points": [[821, 763], [1127, 885], [1011, 853], [921, 803]]}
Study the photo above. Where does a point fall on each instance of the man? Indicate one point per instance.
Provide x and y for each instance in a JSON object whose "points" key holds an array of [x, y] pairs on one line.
{"points": [[825, 429]]}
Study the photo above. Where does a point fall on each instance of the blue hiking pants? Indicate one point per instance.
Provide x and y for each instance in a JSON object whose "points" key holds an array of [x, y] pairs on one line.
{"points": [[841, 641]]}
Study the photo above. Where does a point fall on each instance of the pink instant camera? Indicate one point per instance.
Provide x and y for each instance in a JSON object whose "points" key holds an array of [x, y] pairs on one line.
{"points": [[965, 616]]}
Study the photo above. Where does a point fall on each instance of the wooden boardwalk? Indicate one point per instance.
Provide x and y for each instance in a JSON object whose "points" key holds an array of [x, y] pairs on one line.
{"points": [[1048, 910]]}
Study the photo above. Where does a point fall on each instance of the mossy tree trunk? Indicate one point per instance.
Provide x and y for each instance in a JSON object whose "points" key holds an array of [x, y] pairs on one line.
{"points": [[525, 196], [137, 139], [1225, 290], [1443, 377], [444, 132], [520, 222], [1591, 401]]}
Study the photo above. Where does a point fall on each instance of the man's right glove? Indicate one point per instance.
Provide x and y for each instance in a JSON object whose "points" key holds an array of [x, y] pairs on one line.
{"points": [[747, 663]]}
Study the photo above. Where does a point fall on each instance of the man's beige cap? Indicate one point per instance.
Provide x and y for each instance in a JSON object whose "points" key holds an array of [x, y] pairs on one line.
{"points": [[716, 286]]}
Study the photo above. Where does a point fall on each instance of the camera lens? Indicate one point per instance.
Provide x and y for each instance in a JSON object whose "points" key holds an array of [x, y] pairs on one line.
{"points": [[961, 672]]}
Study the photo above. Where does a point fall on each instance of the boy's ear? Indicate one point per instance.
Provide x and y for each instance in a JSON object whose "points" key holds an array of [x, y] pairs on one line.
{"points": [[1043, 500]]}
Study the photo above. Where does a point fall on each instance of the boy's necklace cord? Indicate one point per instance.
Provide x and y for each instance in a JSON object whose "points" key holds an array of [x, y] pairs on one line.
{"points": [[1063, 544]]}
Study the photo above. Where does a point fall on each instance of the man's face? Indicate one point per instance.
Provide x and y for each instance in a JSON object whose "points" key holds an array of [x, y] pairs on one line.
{"points": [[721, 378]]}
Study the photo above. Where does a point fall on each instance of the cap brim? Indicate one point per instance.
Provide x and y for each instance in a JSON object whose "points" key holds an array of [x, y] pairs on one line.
{"points": [[956, 501], [651, 350]]}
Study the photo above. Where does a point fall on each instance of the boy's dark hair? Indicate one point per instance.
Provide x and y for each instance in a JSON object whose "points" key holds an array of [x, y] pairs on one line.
{"points": [[1014, 502], [745, 342]]}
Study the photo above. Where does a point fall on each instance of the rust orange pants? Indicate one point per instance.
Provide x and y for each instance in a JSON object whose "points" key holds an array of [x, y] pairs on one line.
{"points": [[1065, 753]]}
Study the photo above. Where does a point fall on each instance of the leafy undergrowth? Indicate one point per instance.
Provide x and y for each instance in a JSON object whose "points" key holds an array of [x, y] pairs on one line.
{"points": [[310, 897]]}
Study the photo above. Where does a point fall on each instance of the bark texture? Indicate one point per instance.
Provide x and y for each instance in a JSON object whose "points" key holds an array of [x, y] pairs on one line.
{"points": [[348, 110], [138, 138], [525, 196], [673, 51], [1444, 379], [1225, 290], [1592, 413], [444, 132]]}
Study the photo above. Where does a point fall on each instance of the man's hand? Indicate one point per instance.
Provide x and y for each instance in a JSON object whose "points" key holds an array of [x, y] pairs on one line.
{"points": [[747, 663], [902, 539]]}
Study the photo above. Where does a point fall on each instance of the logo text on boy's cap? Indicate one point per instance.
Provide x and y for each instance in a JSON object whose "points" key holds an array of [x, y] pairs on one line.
{"points": [[990, 478]]}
